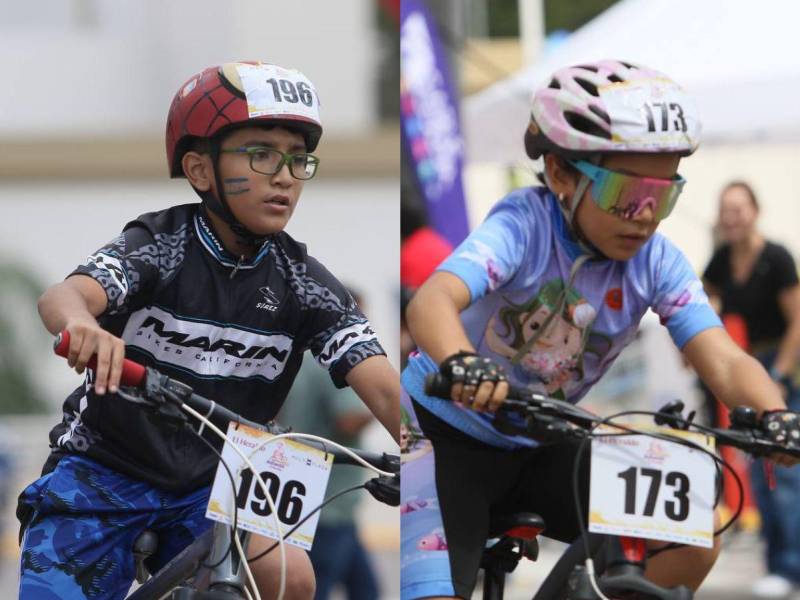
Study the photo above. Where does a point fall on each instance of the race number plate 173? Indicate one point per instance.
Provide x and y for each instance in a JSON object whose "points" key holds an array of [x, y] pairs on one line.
{"points": [[296, 476], [652, 488]]}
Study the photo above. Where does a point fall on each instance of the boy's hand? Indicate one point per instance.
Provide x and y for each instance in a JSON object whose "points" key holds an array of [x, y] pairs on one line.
{"points": [[478, 383], [87, 338]]}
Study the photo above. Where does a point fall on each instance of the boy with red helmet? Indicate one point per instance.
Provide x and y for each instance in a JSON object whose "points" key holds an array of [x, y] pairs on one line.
{"points": [[215, 294]]}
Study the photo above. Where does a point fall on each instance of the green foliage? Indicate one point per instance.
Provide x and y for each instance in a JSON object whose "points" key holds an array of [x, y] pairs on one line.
{"points": [[558, 14], [21, 338], [571, 14]]}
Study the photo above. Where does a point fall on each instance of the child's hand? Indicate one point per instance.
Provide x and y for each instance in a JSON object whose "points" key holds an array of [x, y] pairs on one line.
{"points": [[783, 427], [87, 338], [478, 383]]}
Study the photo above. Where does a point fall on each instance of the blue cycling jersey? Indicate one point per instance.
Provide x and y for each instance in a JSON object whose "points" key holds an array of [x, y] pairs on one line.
{"points": [[517, 264]]}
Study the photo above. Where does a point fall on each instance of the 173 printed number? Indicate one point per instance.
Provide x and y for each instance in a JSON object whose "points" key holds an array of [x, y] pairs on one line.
{"points": [[676, 508]]}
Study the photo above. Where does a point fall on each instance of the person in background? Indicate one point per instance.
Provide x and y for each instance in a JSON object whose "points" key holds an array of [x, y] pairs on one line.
{"points": [[421, 251], [421, 247], [316, 406], [756, 279]]}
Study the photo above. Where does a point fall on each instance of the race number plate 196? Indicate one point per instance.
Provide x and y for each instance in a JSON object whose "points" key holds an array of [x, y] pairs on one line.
{"points": [[296, 476], [651, 488]]}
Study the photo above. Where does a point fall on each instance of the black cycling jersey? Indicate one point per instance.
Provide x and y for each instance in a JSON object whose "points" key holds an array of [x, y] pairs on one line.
{"points": [[234, 330]]}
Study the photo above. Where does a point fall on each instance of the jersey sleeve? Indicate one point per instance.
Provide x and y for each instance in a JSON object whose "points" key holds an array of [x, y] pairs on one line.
{"points": [[493, 252], [340, 336], [679, 299], [126, 268]]}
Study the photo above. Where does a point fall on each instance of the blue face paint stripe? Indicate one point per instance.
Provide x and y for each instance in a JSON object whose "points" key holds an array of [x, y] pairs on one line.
{"points": [[236, 180]]}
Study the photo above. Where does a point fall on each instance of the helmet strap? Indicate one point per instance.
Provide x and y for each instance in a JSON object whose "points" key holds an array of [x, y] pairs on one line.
{"points": [[218, 204]]}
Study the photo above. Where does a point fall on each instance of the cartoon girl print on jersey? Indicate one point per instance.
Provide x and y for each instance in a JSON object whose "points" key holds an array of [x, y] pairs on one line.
{"points": [[541, 343]]}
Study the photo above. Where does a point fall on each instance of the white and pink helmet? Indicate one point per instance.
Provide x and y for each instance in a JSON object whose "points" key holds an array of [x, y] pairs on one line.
{"points": [[611, 106]]}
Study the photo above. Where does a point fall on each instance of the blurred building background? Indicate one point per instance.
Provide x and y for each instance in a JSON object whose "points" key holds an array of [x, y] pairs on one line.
{"points": [[736, 58], [83, 109]]}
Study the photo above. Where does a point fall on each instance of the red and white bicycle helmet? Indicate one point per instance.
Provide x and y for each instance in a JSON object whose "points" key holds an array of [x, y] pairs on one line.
{"points": [[611, 106], [236, 94]]}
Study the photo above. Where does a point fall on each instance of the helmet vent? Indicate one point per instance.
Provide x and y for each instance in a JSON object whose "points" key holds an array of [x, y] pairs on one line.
{"points": [[554, 84], [600, 113], [613, 78], [628, 65], [585, 125], [591, 68], [588, 86]]}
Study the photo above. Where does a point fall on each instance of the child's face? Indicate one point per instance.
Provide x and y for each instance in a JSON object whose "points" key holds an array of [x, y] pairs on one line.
{"points": [[262, 203], [615, 237]]}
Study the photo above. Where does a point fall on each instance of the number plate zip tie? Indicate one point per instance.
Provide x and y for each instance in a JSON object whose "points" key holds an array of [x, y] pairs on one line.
{"points": [[207, 415]]}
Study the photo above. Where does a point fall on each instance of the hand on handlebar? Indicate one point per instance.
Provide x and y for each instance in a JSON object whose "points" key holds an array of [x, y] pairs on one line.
{"points": [[478, 383], [783, 427], [87, 339]]}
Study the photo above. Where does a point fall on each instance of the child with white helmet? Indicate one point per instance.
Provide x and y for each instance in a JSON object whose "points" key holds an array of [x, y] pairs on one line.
{"points": [[545, 294], [216, 295]]}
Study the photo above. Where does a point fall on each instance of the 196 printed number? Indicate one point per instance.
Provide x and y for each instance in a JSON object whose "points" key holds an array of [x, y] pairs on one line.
{"points": [[676, 509], [288, 498], [283, 89]]}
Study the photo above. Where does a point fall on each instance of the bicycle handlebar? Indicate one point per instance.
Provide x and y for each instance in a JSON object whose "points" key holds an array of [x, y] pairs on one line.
{"points": [[133, 374], [745, 432], [159, 390]]}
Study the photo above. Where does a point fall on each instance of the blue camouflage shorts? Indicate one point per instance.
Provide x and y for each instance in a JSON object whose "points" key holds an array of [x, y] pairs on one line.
{"points": [[86, 517]]}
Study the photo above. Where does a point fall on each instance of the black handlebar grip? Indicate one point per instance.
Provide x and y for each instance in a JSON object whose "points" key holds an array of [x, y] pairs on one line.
{"points": [[438, 386]]}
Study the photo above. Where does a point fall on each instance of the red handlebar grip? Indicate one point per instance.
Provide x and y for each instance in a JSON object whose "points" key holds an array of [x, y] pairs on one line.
{"points": [[132, 372]]}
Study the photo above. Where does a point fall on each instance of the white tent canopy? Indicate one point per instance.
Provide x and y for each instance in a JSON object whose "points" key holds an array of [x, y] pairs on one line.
{"points": [[739, 59]]}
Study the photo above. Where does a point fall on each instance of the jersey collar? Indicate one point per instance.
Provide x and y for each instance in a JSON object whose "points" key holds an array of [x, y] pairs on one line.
{"points": [[215, 248]]}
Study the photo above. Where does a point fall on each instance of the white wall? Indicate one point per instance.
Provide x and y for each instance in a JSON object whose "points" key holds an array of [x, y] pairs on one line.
{"points": [[89, 67]]}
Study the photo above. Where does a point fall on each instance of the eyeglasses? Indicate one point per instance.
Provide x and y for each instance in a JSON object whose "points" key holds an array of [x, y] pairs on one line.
{"points": [[269, 161], [627, 195]]}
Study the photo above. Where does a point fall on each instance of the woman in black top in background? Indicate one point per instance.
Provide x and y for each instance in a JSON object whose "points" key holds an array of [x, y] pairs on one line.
{"points": [[757, 279]]}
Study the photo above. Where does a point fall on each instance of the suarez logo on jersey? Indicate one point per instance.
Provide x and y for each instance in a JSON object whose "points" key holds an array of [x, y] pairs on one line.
{"points": [[270, 299]]}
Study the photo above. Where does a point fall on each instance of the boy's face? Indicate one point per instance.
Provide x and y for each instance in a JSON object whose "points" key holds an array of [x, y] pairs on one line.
{"points": [[618, 238], [262, 203]]}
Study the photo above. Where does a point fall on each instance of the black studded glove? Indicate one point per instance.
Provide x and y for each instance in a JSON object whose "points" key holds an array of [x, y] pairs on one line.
{"points": [[470, 369], [782, 427]]}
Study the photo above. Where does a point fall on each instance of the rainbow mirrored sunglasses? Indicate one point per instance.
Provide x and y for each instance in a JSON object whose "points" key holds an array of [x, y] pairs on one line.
{"points": [[628, 195]]}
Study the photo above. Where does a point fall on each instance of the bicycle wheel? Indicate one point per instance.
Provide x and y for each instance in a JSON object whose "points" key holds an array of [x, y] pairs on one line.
{"points": [[177, 571]]}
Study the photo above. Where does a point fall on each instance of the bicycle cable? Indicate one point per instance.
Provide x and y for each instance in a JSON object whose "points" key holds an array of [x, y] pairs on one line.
{"points": [[261, 483], [235, 506], [630, 430], [306, 518]]}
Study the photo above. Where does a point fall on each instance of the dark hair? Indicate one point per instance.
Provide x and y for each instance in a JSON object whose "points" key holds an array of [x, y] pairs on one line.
{"points": [[738, 183], [564, 164]]}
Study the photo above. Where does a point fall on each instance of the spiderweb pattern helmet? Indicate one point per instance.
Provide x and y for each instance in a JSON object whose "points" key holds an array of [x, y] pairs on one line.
{"points": [[236, 94], [611, 106]]}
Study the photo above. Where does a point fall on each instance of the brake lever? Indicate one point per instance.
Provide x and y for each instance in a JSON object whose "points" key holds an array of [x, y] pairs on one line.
{"points": [[385, 489]]}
